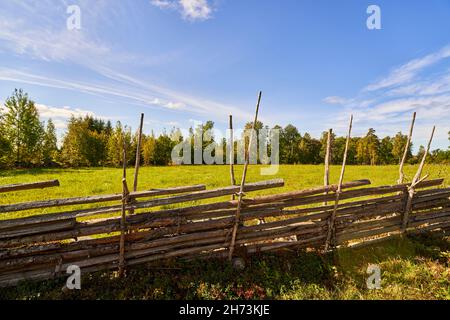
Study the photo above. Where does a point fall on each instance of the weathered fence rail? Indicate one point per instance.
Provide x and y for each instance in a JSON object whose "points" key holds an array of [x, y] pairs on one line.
{"points": [[29, 186], [43, 246]]}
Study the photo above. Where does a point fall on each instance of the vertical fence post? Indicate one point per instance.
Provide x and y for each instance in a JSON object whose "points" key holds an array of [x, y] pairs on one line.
{"points": [[405, 153], [138, 154], [415, 180], [231, 159], [125, 196], [331, 234], [241, 189], [326, 176]]}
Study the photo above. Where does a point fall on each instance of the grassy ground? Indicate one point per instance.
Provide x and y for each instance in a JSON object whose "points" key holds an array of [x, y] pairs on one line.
{"points": [[411, 267]]}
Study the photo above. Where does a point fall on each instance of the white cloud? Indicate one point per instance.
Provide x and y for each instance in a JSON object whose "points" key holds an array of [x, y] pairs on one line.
{"points": [[48, 44], [410, 70], [432, 86], [387, 105], [196, 9], [173, 105], [59, 124], [89, 88], [47, 41], [153, 122], [431, 108], [132, 90], [191, 103], [335, 100], [189, 9], [62, 112], [164, 4]]}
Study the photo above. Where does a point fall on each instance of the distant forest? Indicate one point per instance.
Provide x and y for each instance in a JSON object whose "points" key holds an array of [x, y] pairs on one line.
{"points": [[26, 141]]}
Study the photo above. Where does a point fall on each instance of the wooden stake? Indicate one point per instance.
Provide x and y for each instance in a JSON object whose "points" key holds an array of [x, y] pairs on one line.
{"points": [[405, 153], [138, 154], [326, 177], [244, 174], [414, 182], [233, 180], [331, 232], [125, 193]]}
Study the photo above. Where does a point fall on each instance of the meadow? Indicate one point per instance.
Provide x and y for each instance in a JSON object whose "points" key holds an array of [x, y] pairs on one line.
{"points": [[413, 267]]}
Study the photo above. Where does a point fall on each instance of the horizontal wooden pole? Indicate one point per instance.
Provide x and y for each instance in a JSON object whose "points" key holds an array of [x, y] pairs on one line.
{"points": [[29, 186], [189, 232], [95, 199]]}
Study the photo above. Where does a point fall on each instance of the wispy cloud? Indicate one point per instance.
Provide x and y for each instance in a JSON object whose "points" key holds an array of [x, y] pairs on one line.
{"points": [[410, 70], [335, 100], [59, 115], [86, 87], [190, 9], [133, 90], [387, 104], [51, 42], [64, 112], [48, 45]]}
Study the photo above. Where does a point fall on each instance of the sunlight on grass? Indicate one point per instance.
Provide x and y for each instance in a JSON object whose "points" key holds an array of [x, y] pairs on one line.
{"points": [[411, 267]]}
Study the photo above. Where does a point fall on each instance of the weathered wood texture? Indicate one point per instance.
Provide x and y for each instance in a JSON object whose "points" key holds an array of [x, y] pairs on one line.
{"points": [[42, 247], [29, 186]]}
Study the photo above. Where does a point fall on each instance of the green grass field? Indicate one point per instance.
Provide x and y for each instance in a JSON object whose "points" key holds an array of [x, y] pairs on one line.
{"points": [[411, 267]]}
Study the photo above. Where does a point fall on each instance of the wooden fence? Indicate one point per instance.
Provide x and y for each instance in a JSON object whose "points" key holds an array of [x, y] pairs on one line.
{"points": [[43, 246]]}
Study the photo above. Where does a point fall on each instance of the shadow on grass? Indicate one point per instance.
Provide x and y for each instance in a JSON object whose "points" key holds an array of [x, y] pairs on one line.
{"points": [[285, 275]]}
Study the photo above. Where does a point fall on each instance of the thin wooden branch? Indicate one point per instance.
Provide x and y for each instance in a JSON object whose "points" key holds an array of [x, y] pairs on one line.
{"points": [[414, 182], [125, 199], [405, 153], [138, 154], [326, 177], [28, 186], [331, 232], [231, 146], [244, 174]]}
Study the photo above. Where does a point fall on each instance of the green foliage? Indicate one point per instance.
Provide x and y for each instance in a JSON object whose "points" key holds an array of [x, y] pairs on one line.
{"points": [[398, 147], [22, 129], [49, 145], [163, 149], [91, 142], [386, 151], [368, 149], [148, 149], [117, 138], [5, 147], [289, 144], [85, 142]]}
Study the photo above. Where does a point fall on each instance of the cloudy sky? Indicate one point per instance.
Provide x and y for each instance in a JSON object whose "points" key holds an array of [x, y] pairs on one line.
{"points": [[185, 61]]}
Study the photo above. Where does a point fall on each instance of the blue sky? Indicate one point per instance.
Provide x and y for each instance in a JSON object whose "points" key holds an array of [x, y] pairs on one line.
{"points": [[185, 61]]}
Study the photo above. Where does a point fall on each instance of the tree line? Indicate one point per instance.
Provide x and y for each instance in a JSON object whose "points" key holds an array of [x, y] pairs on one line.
{"points": [[26, 141]]}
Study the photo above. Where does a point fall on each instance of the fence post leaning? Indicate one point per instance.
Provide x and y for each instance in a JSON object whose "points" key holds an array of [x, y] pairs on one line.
{"points": [[241, 189], [331, 234], [414, 182], [405, 153]]}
